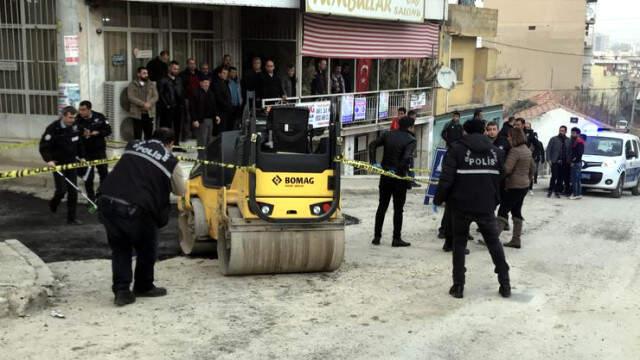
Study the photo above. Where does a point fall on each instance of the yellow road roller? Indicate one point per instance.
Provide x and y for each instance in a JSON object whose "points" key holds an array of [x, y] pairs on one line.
{"points": [[277, 209]]}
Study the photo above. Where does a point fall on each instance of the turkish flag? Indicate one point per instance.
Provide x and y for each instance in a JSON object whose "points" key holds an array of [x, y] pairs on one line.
{"points": [[363, 71]]}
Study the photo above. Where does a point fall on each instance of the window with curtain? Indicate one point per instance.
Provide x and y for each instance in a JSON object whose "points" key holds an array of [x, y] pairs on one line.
{"points": [[389, 74], [115, 50]]}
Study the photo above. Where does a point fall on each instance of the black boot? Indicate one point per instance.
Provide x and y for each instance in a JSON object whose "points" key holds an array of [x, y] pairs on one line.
{"points": [[457, 291], [153, 292], [505, 290], [376, 241], [123, 298], [399, 243], [53, 205]]}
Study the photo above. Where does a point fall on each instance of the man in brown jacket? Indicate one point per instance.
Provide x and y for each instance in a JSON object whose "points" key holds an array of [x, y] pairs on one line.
{"points": [[143, 95]]}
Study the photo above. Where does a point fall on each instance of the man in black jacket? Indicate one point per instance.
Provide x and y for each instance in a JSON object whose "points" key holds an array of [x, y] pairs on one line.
{"points": [[134, 203], [470, 184], [61, 144], [399, 147], [95, 128], [452, 131], [270, 84], [252, 78], [171, 101], [224, 105], [204, 115], [159, 66]]}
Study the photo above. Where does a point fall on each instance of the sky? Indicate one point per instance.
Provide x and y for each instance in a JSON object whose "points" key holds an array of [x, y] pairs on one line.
{"points": [[620, 19]]}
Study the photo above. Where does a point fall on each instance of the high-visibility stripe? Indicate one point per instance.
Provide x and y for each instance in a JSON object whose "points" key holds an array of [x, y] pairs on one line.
{"points": [[478, 171], [150, 159]]}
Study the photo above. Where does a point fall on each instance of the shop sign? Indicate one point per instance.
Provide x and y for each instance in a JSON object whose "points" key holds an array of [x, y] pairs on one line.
{"points": [[383, 105], [418, 100], [118, 59], [360, 108], [142, 54], [346, 109], [319, 113], [395, 10], [71, 50]]}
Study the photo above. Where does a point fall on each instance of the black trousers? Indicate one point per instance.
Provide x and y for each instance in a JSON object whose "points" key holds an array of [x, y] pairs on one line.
{"points": [[566, 179], [172, 119], [103, 171], [557, 178], [390, 187], [64, 188], [143, 125], [130, 228], [512, 203], [447, 226], [488, 229]]}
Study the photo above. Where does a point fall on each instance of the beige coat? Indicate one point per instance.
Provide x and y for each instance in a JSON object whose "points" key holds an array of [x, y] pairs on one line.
{"points": [[519, 168], [138, 95]]}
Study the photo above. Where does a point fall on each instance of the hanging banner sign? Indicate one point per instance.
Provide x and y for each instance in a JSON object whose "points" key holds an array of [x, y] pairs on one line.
{"points": [[395, 10], [418, 100], [383, 105], [319, 113], [71, 50], [346, 109], [360, 108]]}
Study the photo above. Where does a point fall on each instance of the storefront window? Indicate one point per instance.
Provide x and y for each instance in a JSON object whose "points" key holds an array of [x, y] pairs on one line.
{"points": [[388, 74], [346, 70], [408, 73], [144, 15], [428, 72], [309, 70], [115, 50], [201, 19], [144, 47], [180, 48], [179, 17], [114, 14]]}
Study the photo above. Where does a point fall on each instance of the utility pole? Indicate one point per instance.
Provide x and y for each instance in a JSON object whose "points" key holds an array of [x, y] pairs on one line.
{"points": [[633, 107]]}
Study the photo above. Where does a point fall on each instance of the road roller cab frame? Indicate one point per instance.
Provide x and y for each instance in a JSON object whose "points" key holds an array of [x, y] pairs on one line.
{"points": [[277, 209]]}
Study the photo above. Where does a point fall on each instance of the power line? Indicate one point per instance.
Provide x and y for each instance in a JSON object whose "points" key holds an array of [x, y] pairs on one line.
{"points": [[551, 51], [585, 89]]}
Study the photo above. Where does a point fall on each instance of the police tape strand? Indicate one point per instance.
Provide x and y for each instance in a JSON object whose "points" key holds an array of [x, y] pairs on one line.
{"points": [[19, 145], [19, 173], [184, 147]]}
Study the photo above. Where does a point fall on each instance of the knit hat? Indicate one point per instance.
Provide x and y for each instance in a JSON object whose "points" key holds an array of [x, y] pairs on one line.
{"points": [[474, 126]]}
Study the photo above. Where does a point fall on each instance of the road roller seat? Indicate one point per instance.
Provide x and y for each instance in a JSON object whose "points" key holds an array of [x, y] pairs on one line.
{"points": [[290, 129]]}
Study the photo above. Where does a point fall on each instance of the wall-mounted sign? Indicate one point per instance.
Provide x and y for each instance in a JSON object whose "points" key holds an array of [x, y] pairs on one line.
{"points": [[346, 109], [68, 95], [395, 10], [319, 113], [71, 50], [418, 100], [8, 66], [142, 54], [118, 59], [360, 111]]}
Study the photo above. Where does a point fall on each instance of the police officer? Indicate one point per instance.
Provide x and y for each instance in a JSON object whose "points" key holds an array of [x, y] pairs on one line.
{"points": [[470, 185], [399, 147], [61, 144], [95, 128], [134, 204]]}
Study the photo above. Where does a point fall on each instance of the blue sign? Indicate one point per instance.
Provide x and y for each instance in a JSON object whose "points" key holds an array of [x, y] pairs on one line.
{"points": [[436, 170]]}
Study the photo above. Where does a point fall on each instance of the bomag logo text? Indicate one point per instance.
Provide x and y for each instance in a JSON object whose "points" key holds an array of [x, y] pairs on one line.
{"points": [[298, 180]]}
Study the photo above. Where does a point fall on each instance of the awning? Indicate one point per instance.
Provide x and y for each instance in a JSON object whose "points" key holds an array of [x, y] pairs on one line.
{"points": [[326, 36], [286, 4]]}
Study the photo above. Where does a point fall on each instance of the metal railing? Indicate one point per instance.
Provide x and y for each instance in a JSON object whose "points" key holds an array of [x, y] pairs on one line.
{"points": [[417, 99]]}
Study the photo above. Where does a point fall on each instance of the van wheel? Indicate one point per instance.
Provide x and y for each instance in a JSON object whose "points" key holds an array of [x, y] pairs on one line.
{"points": [[636, 189], [617, 193]]}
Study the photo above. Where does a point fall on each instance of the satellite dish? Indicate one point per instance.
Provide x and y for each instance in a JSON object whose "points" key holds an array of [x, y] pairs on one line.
{"points": [[447, 78]]}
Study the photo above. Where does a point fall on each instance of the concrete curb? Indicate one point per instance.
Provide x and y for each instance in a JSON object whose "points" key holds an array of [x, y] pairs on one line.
{"points": [[28, 290]]}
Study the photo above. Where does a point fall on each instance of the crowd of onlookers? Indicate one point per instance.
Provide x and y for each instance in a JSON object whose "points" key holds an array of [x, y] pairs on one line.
{"points": [[197, 101]]}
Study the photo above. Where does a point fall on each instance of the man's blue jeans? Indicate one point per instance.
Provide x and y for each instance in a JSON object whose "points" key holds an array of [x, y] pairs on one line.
{"points": [[576, 178]]}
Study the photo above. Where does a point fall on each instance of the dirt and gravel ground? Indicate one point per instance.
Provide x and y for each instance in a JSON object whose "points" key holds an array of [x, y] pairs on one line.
{"points": [[576, 284]]}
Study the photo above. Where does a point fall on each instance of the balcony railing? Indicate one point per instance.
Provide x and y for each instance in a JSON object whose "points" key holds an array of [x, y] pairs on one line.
{"points": [[366, 108]]}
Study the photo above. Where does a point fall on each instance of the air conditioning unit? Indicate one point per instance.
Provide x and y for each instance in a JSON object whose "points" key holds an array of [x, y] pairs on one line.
{"points": [[117, 109]]}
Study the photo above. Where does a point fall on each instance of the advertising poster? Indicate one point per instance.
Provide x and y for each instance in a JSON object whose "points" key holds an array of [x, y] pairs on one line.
{"points": [[319, 113], [346, 109], [383, 105], [71, 50], [360, 108], [68, 95], [418, 100]]}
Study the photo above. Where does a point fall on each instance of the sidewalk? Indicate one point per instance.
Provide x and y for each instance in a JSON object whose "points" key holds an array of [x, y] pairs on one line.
{"points": [[25, 280]]}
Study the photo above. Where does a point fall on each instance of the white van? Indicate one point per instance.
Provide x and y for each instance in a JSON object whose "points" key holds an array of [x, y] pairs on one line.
{"points": [[611, 162]]}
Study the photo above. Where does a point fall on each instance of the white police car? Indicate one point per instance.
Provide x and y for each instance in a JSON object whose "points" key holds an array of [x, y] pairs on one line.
{"points": [[611, 162]]}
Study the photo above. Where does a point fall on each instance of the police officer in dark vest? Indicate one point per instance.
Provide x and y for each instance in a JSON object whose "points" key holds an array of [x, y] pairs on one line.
{"points": [[470, 185], [61, 144], [95, 128], [399, 147], [134, 204]]}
